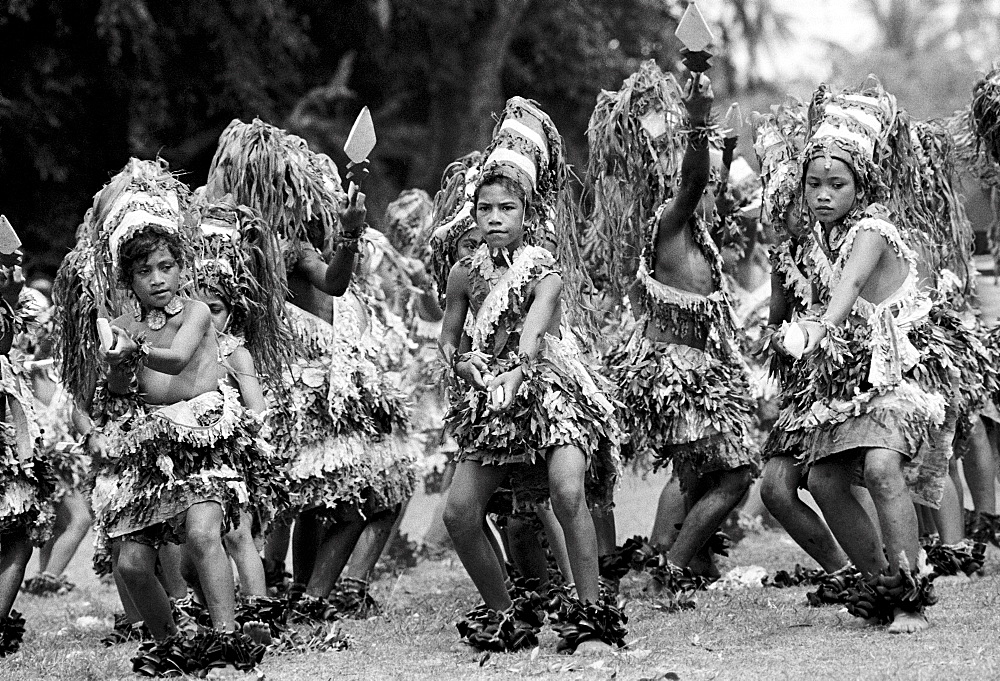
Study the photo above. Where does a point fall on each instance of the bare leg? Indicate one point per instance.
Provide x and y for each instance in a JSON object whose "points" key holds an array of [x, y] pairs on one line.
{"points": [[884, 479], [131, 611], [670, 513], [135, 567], [949, 518], [171, 574], [306, 537], [557, 541], [15, 552], [77, 523], [526, 552], [980, 467], [240, 546], [333, 552], [865, 499], [830, 484], [204, 542], [567, 469], [607, 536], [372, 543], [725, 491], [471, 488], [779, 491]]}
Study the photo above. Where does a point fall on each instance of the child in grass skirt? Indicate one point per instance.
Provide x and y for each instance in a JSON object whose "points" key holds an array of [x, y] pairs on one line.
{"points": [[533, 417], [680, 378], [184, 453], [26, 485], [874, 408]]}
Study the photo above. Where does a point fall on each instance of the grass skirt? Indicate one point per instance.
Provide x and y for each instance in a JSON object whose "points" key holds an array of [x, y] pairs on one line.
{"points": [[561, 402], [836, 412], [27, 488], [343, 426], [685, 406], [167, 459]]}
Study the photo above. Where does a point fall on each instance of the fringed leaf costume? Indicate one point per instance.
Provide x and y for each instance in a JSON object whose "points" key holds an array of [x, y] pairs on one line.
{"points": [[27, 485], [238, 260], [691, 406], [163, 459]]}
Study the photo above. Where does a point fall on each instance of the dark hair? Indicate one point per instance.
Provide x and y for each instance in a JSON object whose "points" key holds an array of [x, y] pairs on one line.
{"points": [[135, 251], [504, 181]]}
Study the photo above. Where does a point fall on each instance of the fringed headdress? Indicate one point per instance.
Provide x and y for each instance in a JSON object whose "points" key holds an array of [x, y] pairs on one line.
{"points": [[143, 197], [635, 136], [976, 132], [528, 149], [854, 127], [238, 258], [452, 216], [407, 219], [297, 191]]}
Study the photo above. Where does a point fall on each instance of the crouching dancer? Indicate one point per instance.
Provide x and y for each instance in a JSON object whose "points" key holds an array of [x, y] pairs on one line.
{"points": [[533, 419], [875, 399], [179, 441]]}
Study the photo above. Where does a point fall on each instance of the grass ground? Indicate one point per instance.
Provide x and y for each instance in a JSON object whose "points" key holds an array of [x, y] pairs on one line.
{"points": [[739, 634]]}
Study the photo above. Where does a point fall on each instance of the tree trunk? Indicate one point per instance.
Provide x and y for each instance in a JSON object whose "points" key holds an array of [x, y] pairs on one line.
{"points": [[466, 87]]}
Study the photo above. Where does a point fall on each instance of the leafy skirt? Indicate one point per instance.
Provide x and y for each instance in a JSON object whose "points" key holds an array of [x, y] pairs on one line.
{"points": [[561, 402], [165, 460], [683, 406]]}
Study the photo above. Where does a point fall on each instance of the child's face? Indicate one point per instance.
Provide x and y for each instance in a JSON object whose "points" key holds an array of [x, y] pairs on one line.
{"points": [[218, 307], [469, 243], [156, 279], [830, 189], [500, 215]]}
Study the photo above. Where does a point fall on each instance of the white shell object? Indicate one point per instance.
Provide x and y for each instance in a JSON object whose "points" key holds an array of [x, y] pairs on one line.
{"points": [[795, 340]]}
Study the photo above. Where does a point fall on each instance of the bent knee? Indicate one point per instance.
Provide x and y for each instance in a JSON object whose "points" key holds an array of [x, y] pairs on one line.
{"points": [[460, 518], [883, 471]]}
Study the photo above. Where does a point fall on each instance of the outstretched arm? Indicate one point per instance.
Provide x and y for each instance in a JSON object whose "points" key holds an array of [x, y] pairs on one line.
{"points": [[695, 166], [866, 252]]}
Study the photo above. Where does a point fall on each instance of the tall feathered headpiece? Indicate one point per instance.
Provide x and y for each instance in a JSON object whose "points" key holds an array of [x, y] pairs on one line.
{"points": [[297, 191], [238, 258], [144, 196], [635, 137]]}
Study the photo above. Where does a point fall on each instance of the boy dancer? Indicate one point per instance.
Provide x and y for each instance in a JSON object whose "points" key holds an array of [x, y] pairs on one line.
{"points": [[532, 417], [681, 379], [180, 443], [25, 486], [874, 403]]}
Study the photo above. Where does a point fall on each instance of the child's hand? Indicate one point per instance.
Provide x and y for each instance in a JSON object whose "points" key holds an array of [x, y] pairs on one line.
{"points": [[815, 333], [352, 218], [698, 98], [123, 347], [503, 388], [471, 370]]}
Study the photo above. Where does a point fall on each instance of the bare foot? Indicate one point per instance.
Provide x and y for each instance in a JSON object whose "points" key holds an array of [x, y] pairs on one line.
{"points": [[908, 623], [592, 646], [258, 633]]}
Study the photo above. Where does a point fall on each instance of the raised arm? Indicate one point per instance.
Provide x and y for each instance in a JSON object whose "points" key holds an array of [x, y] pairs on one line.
{"points": [[334, 277], [695, 166]]}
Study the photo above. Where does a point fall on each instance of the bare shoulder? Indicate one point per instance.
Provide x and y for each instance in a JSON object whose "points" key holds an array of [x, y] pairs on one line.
{"points": [[459, 276], [242, 361], [196, 311], [549, 284]]}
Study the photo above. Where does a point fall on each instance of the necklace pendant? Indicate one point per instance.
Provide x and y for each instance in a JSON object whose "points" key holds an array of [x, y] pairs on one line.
{"points": [[175, 306], [156, 319]]}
